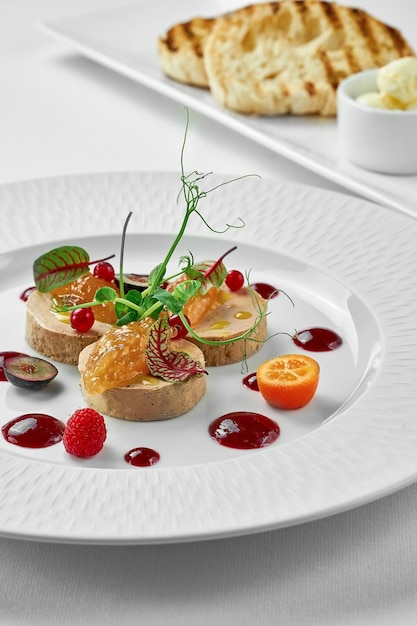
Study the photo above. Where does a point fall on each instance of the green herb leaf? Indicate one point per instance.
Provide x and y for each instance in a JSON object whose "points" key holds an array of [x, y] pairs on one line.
{"points": [[135, 296], [105, 294], [155, 276], [152, 307], [176, 299], [59, 267], [166, 363], [130, 316], [168, 299], [184, 291], [126, 312]]}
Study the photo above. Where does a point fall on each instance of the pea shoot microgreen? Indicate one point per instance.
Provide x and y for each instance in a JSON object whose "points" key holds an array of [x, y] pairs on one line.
{"points": [[68, 263]]}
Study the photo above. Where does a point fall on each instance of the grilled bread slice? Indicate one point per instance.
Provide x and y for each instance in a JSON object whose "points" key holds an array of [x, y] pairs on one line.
{"points": [[290, 56], [181, 51]]}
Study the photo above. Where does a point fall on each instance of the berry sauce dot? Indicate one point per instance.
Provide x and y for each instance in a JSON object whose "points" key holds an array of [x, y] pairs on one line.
{"points": [[142, 457]]}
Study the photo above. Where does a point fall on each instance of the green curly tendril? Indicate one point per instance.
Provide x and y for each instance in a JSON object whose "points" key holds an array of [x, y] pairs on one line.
{"points": [[135, 307]]}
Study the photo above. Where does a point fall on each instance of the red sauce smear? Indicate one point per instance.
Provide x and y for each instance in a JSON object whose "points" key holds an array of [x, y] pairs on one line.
{"points": [[265, 290], [142, 457], [34, 430], [251, 382], [3, 357], [317, 339], [244, 430], [26, 293]]}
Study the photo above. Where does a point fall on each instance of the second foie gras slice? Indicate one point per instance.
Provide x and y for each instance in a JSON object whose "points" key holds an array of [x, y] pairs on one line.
{"points": [[235, 314]]}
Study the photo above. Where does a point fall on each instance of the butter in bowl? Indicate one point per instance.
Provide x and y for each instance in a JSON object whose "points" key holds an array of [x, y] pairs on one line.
{"points": [[377, 118]]}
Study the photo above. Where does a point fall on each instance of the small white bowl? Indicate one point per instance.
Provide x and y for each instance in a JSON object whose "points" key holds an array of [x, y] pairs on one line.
{"points": [[376, 139]]}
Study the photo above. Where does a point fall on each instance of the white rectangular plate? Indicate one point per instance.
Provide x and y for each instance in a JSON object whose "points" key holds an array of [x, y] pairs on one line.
{"points": [[124, 39]]}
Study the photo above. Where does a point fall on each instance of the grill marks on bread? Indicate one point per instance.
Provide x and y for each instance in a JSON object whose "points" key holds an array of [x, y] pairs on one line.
{"points": [[279, 57], [181, 51], [373, 34], [289, 57]]}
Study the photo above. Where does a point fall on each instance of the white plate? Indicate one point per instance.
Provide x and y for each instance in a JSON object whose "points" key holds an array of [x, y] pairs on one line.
{"points": [[124, 39], [347, 264]]}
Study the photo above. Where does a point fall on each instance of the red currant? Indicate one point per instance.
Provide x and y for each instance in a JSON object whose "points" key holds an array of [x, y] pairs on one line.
{"points": [[104, 270], [234, 280], [177, 326], [82, 319]]}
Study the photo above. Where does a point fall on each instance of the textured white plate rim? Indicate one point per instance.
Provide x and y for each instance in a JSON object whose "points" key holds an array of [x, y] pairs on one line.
{"points": [[83, 33], [367, 452]]}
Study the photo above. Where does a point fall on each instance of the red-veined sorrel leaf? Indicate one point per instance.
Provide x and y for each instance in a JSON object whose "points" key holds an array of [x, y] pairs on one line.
{"points": [[59, 267], [176, 367], [214, 272]]}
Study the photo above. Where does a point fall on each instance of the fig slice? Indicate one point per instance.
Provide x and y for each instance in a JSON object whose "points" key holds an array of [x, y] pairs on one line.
{"points": [[27, 371], [140, 282], [133, 281]]}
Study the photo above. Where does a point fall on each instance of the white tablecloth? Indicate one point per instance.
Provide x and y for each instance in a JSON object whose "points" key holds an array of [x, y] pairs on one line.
{"points": [[63, 114]]}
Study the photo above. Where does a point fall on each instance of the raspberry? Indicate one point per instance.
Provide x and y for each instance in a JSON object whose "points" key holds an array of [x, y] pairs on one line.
{"points": [[85, 433]]}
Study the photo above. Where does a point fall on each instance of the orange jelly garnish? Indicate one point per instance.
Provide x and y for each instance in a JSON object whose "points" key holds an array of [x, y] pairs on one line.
{"points": [[197, 307], [83, 290], [117, 357]]}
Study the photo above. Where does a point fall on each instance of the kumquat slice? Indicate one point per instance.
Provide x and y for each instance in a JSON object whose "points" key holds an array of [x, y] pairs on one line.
{"points": [[289, 381]]}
